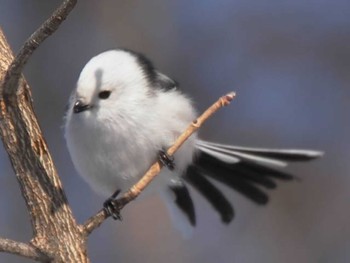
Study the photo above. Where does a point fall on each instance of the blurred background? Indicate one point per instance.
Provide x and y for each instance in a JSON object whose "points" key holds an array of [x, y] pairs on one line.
{"points": [[288, 61]]}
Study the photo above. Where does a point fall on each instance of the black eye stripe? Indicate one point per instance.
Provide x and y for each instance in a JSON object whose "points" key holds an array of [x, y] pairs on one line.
{"points": [[104, 94]]}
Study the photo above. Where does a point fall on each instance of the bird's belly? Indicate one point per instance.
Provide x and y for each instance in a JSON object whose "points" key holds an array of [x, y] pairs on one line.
{"points": [[109, 170], [120, 160], [110, 163]]}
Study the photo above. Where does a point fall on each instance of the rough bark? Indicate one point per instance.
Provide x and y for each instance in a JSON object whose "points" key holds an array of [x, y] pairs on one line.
{"points": [[55, 231]]}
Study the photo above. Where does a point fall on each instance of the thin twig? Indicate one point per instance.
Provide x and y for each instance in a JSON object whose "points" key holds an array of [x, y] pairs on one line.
{"points": [[96, 220], [32, 43], [22, 249]]}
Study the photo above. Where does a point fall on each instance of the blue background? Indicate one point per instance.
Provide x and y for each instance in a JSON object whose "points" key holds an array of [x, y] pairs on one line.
{"points": [[288, 61]]}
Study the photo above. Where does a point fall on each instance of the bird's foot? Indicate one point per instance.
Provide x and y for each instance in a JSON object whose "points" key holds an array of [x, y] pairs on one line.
{"points": [[111, 207], [167, 160]]}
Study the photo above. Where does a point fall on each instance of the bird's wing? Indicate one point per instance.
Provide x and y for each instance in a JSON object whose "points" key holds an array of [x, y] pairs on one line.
{"points": [[165, 83]]}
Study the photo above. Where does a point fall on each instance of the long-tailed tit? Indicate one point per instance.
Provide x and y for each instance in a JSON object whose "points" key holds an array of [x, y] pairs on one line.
{"points": [[124, 113]]}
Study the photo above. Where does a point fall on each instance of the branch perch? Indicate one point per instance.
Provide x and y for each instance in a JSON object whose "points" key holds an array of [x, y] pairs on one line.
{"points": [[96, 220]]}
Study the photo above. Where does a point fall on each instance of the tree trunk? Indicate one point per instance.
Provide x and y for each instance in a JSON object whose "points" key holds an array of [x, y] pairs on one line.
{"points": [[55, 231]]}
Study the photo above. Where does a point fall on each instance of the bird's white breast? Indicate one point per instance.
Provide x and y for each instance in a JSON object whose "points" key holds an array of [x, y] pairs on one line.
{"points": [[114, 153]]}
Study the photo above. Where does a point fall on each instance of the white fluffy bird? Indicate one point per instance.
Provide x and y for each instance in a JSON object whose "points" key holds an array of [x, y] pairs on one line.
{"points": [[124, 113]]}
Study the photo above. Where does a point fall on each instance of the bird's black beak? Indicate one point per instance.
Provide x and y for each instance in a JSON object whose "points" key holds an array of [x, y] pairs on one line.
{"points": [[80, 106]]}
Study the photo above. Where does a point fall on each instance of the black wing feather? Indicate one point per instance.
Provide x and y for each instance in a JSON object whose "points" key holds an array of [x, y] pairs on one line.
{"points": [[213, 195], [165, 83], [215, 169], [184, 201]]}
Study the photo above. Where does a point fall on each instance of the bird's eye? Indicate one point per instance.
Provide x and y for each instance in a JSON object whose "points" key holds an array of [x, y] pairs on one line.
{"points": [[104, 94]]}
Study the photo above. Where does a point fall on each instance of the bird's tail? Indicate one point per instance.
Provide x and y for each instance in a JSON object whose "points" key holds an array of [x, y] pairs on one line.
{"points": [[249, 171]]}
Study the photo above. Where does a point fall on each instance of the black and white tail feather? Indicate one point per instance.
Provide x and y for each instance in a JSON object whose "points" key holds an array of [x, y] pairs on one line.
{"points": [[249, 171]]}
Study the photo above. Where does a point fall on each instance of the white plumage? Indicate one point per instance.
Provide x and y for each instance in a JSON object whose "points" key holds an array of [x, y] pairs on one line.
{"points": [[123, 112]]}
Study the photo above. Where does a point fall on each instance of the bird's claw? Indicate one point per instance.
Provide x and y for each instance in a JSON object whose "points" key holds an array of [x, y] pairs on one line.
{"points": [[167, 160], [111, 207]]}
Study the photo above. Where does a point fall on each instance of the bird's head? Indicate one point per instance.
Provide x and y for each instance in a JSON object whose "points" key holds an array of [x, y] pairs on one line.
{"points": [[113, 80]]}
